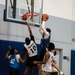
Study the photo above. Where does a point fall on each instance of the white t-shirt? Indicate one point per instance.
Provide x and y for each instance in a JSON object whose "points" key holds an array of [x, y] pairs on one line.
{"points": [[31, 48], [48, 66]]}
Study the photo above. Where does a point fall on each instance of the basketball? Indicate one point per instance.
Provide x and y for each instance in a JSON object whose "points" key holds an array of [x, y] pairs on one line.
{"points": [[45, 17], [25, 16]]}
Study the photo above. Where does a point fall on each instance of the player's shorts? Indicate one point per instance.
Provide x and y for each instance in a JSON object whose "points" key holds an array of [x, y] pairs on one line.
{"points": [[42, 53], [54, 73], [13, 71], [30, 60], [45, 73]]}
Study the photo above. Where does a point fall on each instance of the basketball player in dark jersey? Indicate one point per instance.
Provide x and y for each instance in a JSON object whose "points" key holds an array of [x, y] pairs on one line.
{"points": [[46, 35]]}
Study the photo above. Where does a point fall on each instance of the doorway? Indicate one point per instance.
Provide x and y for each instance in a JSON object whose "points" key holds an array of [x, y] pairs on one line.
{"points": [[59, 57]]}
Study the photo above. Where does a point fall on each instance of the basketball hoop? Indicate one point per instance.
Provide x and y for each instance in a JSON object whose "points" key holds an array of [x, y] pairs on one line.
{"points": [[29, 14], [32, 14]]}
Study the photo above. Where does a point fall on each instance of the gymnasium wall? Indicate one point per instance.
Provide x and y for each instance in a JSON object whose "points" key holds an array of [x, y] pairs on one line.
{"points": [[61, 22], [60, 8], [4, 64], [64, 9]]}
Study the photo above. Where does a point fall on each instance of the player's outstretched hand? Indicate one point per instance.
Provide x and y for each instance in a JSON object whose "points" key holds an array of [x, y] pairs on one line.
{"points": [[9, 47]]}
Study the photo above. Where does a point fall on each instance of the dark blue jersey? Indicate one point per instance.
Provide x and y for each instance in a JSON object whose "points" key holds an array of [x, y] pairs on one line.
{"points": [[45, 42]]}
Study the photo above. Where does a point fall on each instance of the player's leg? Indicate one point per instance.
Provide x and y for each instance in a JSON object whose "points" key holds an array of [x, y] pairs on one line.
{"points": [[16, 72], [28, 66], [32, 70], [26, 70], [39, 69], [42, 53], [35, 58]]}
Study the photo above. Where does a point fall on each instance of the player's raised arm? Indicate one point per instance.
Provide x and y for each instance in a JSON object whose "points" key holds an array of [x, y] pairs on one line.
{"points": [[30, 31], [23, 60], [54, 65], [7, 54], [44, 31]]}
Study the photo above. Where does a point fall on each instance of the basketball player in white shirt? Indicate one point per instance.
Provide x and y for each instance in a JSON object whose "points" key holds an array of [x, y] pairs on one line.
{"points": [[31, 49], [47, 62]]}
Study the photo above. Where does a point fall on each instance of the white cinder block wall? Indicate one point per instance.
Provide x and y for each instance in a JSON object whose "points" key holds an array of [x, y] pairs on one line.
{"points": [[62, 30], [61, 22]]}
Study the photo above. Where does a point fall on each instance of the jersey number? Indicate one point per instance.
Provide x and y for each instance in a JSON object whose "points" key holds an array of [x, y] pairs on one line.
{"points": [[12, 61], [33, 49]]}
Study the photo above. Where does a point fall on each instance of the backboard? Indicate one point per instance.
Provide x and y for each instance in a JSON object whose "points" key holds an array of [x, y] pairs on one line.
{"points": [[14, 10]]}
